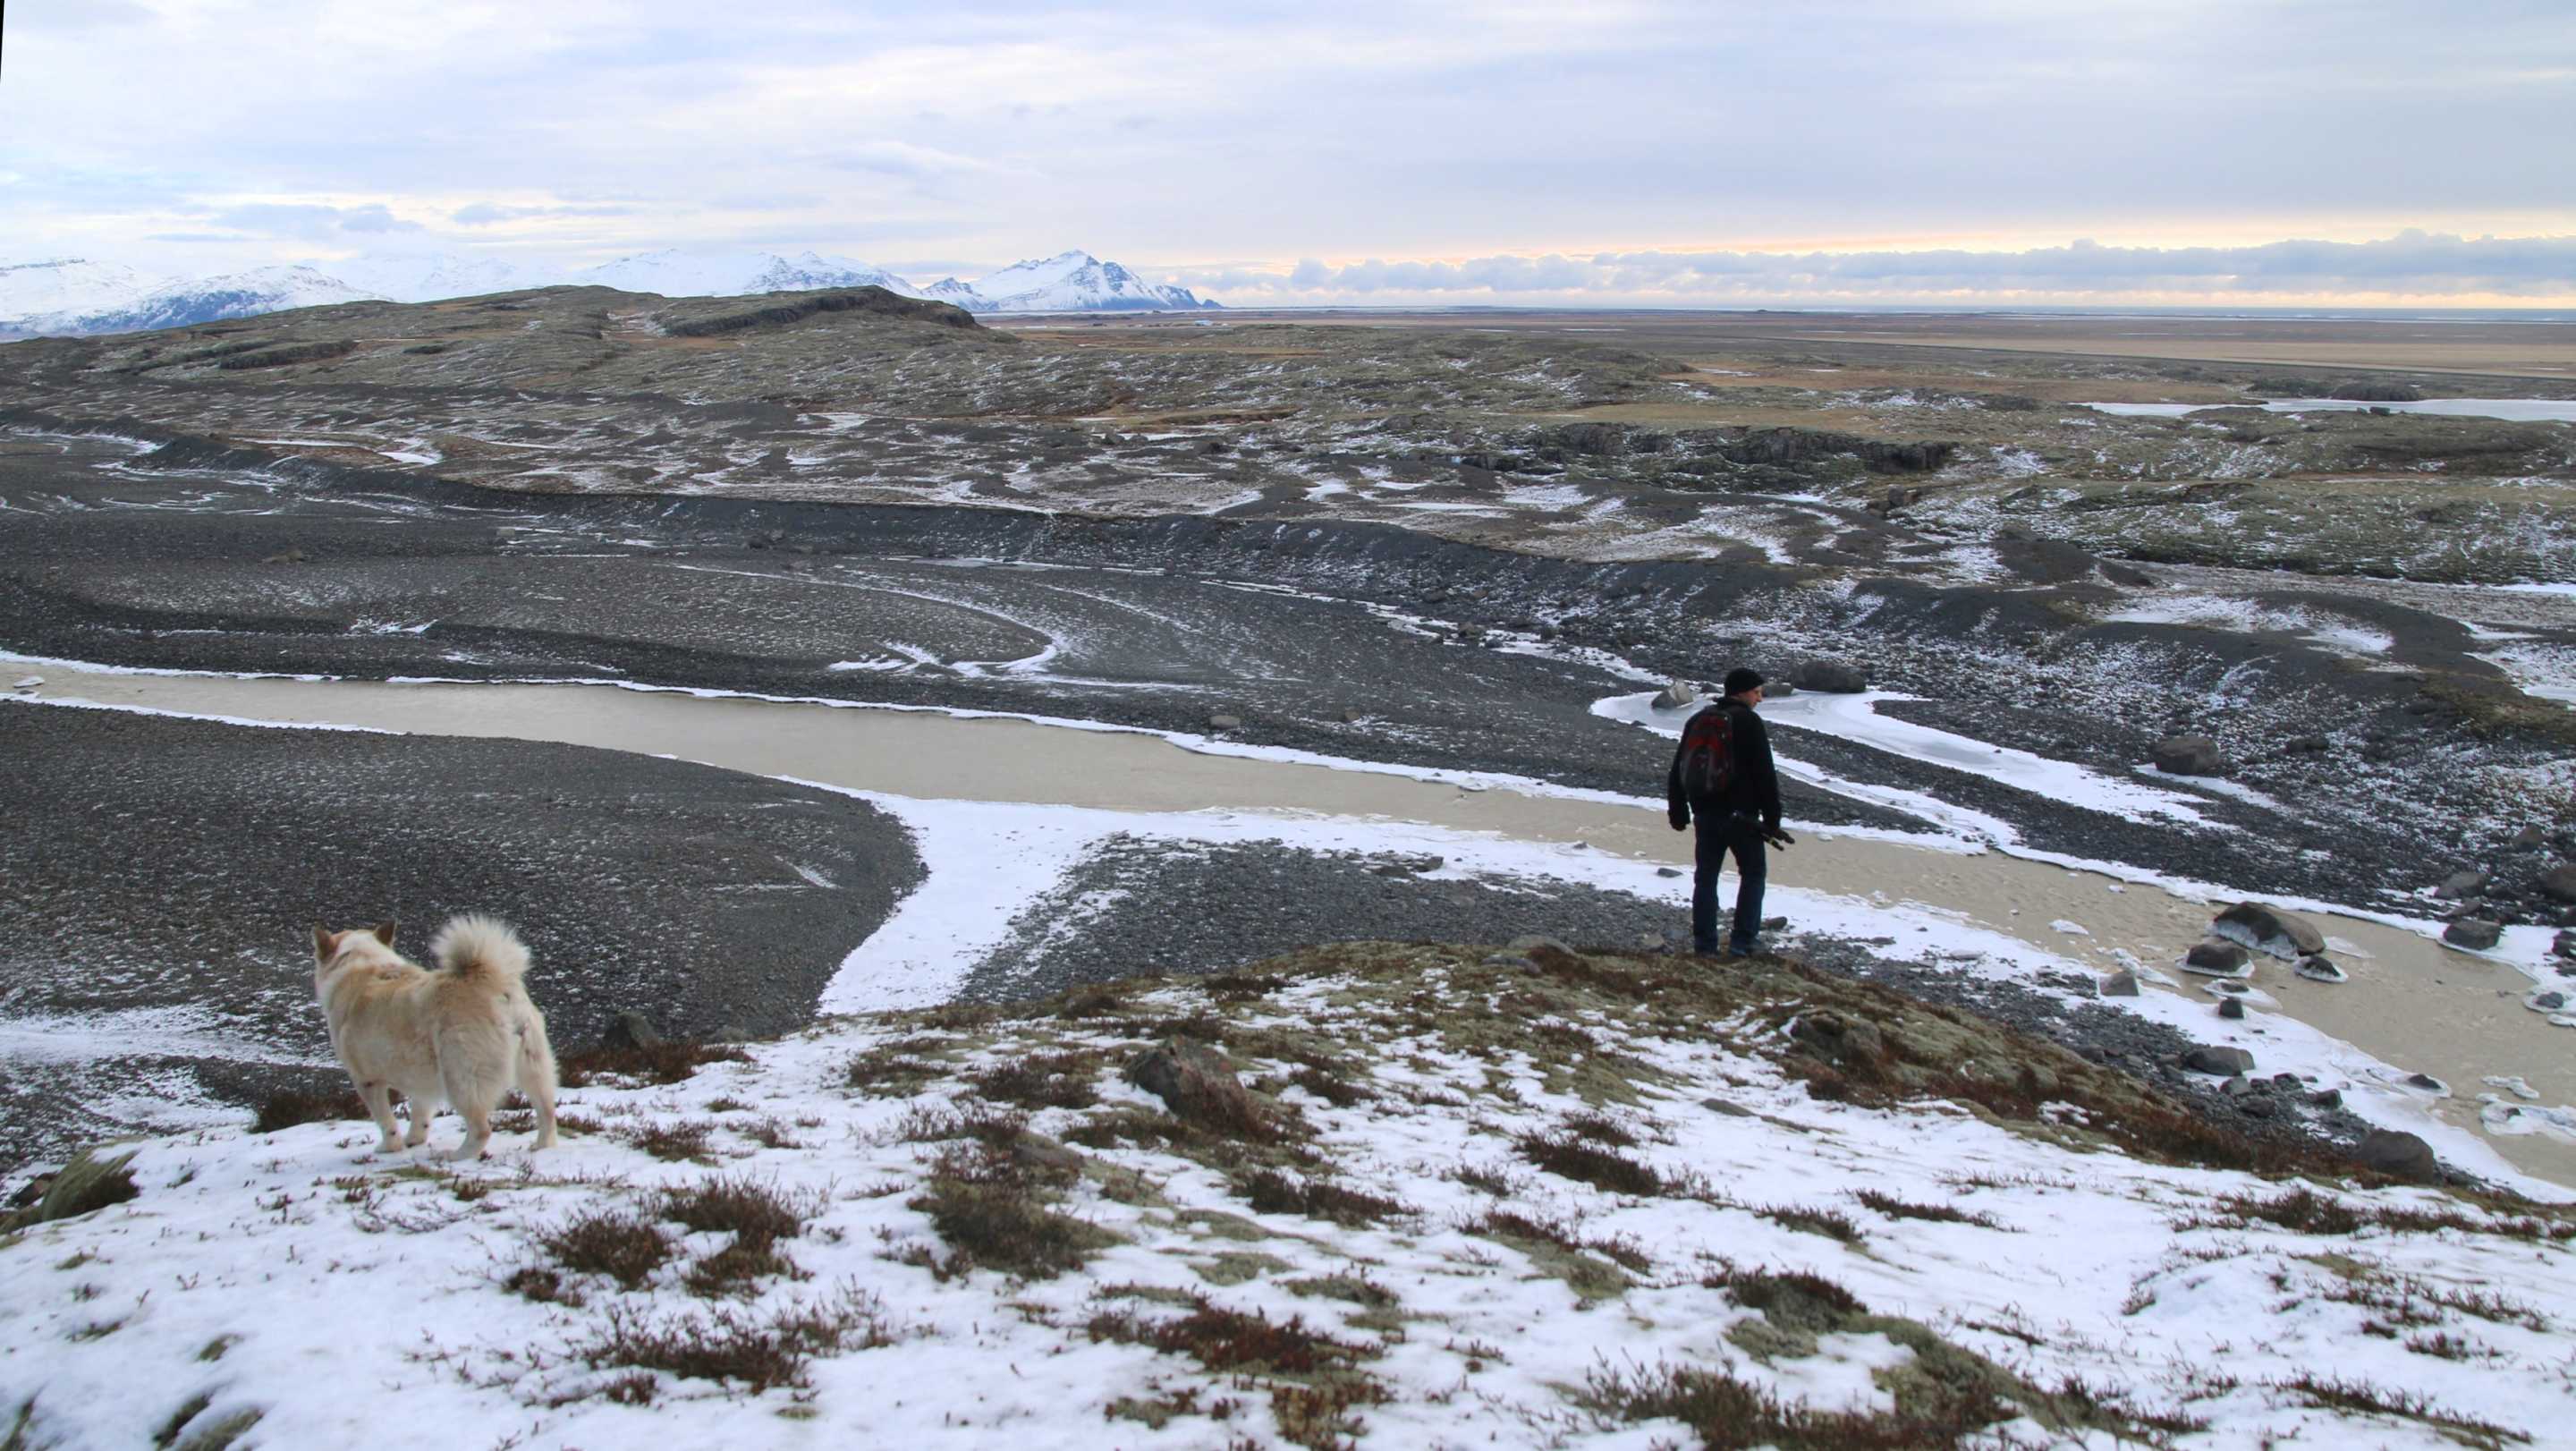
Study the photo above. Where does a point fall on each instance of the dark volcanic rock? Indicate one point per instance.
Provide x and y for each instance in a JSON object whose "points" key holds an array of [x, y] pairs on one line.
{"points": [[2189, 756], [2398, 1155], [2474, 933], [2218, 1060], [1833, 677], [2269, 930]]}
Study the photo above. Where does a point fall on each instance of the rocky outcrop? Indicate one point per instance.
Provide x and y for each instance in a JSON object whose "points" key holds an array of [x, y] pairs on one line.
{"points": [[2269, 930], [2189, 756], [1833, 677], [2398, 1155]]}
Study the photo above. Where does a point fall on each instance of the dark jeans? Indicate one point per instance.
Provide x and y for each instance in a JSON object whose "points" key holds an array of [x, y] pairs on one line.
{"points": [[1719, 835]]}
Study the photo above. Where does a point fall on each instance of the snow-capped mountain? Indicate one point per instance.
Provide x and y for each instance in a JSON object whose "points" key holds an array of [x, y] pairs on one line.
{"points": [[211, 299], [958, 294], [430, 276], [1078, 282], [73, 296], [68, 287], [675, 273]]}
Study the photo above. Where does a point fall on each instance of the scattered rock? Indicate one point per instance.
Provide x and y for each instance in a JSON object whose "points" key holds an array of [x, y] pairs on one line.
{"points": [[1530, 942], [1668, 871], [2120, 985], [2427, 1082], [1834, 677], [2216, 957], [2126, 576], [2527, 838], [630, 1030], [2328, 1098], [2477, 934], [1676, 693], [287, 556], [1225, 722], [1836, 1039], [1196, 1083], [2552, 1001], [1774, 924], [30, 683], [2398, 1155], [2318, 968], [1510, 960], [2461, 884], [2237, 1087], [2231, 1008], [2269, 930], [2218, 1060], [2560, 881], [2564, 944], [2188, 756]]}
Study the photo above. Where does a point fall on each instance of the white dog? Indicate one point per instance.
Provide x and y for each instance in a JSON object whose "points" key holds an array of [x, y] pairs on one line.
{"points": [[465, 1034]]}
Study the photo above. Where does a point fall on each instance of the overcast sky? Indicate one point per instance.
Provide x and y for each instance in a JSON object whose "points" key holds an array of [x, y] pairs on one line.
{"points": [[1401, 150]]}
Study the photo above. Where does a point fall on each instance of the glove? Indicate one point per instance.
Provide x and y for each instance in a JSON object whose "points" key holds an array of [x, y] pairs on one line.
{"points": [[1778, 838], [1679, 817]]}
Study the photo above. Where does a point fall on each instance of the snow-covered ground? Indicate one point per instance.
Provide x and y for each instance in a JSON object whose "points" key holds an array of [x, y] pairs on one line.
{"points": [[2512, 410], [1468, 1295]]}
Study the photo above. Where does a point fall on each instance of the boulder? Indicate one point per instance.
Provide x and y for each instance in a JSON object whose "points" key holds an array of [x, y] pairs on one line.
{"points": [[2217, 958], [2560, 881], [630, 1030], [1197, 1084], [2477, 934], [1834, 677], [2398, 1155], [2316, 967], [1676, 694], [2188, 756], [2269, 930], [1837, 1039], [2527, 838], [2231, 1008], [2226, 1062], [2461, 884], [1778, 690], [2120, 985]]}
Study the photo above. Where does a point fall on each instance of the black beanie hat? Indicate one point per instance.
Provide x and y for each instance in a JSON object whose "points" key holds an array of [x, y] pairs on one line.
{"points": [[1741, 679]]}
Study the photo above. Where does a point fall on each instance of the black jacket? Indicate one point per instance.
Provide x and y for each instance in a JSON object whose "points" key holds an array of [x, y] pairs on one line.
{"points": [[1755, 790]]}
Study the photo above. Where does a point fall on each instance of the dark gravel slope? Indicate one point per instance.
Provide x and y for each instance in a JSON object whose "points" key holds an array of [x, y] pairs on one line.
{"points": [[164, 871]]}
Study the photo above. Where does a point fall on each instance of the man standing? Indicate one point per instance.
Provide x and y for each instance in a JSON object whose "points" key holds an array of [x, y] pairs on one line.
{"points": [[1722, 772]]}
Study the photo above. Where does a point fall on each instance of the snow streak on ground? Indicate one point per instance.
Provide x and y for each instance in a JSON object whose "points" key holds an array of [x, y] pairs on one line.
{"points": [[1459, 1292]]}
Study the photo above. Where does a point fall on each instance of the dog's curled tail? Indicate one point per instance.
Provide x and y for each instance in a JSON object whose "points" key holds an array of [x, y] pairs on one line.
{"points": [[475, 946]]}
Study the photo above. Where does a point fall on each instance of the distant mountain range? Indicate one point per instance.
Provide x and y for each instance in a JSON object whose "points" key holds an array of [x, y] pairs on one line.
{"points": [[71, 296]]}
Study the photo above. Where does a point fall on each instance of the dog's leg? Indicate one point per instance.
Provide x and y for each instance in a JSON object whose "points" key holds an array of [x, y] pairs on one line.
{"points": [[420, 1108], [378, 1098], [472, 1101], [537, 1081]]}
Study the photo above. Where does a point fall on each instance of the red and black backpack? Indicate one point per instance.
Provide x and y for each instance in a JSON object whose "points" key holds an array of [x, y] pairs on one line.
{"points": [[1708, 755]]}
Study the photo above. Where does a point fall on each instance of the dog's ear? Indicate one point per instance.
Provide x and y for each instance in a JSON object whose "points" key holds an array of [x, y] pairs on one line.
{"points": [[384, 932], [324, 940]]}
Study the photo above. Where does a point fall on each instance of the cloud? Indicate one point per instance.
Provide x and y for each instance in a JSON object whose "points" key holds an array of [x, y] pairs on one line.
{"points": [[306, 219], [485, 214], [2412, 263]]}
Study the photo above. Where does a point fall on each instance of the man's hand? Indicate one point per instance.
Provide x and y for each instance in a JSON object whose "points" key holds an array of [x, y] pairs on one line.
{"points": [[1680, 819], [1778, 838]]}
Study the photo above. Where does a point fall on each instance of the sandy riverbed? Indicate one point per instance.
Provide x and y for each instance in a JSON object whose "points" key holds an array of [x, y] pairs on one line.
{"points": [[2412, 1002]]}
